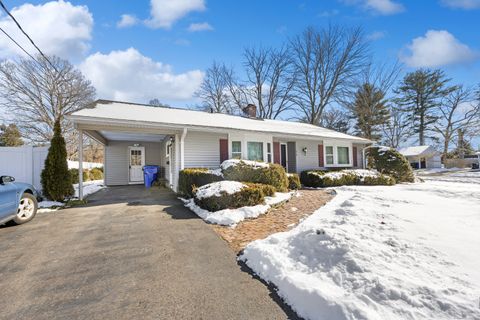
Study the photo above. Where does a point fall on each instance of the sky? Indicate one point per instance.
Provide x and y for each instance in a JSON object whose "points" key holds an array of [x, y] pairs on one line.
{"points": [[144, 49]]}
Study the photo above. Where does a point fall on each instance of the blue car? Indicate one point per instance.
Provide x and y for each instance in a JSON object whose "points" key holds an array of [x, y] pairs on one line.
{"points": [[18, 201]]}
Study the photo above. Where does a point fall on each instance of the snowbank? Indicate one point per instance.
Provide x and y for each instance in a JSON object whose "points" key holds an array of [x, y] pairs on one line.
{"points": [[361, 173], [402, 252], [215, 189], [230, 217], [233, 162], [89, 187]]}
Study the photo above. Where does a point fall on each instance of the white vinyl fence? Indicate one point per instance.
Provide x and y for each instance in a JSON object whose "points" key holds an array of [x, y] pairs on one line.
{"points": [[24, 163], [86, 165]]}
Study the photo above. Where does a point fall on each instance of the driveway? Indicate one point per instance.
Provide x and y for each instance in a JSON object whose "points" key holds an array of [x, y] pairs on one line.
{"points": [[129, 254]]}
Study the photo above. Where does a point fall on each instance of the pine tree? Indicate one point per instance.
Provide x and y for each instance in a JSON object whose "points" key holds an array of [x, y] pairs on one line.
{"points": [[420, 94], [10, 136], [370, 111], [56, 179]]}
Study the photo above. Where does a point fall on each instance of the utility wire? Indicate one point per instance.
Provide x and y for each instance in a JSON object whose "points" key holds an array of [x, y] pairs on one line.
{"points": [[18, 45]]}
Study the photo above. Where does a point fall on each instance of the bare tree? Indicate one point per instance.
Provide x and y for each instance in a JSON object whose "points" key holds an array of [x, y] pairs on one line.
{"points": [[36, 94], [327, 63], [459, 112], [396, 129], [270, 79], [213, 90], [336, 119]]}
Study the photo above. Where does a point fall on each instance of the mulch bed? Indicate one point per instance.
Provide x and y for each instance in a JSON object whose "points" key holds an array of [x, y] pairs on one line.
{"points": [[278, 219]]}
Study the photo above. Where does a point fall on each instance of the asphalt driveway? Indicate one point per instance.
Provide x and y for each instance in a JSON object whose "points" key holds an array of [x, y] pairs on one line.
{"points": [[130, 254]]}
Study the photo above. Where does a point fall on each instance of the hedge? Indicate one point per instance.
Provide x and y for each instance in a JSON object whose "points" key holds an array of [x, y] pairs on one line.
{"points": [[293, 181], [96, 174], [87, 175], [322, 179], [273, 175], [391, 162], [252, 194], [192, 178]]}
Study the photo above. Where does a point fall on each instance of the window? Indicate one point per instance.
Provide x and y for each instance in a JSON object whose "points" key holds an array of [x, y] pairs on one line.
{"points": [[269, 152], [255, 151], [343, 156], [329, 154], [236, 150]]}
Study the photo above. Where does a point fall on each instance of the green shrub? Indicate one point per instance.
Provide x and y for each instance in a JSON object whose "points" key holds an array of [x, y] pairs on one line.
{"points": [[268, 190], [250, 195], [87, 175], [323, 179], [390, 162], [55, 177], [293, 181], [96, 174], [74, 175], [194, 177], [273, 175]]}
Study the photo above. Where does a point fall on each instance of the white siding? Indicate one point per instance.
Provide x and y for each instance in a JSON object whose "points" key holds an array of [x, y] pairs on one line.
{"points": [[310, 159], [116, 160], [202, 149]]}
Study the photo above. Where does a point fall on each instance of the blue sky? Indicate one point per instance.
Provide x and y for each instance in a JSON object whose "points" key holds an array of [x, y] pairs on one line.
{"points": [[156, 54]]}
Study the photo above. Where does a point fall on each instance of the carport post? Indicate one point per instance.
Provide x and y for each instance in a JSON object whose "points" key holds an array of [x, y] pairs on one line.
{"points": [[80, 164]]}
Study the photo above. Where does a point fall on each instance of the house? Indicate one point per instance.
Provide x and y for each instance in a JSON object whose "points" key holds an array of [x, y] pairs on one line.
{"points": [[135, 135], [422, 157]]}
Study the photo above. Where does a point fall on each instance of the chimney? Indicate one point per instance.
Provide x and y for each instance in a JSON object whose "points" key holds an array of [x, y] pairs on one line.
{"points": [[250, 111]]}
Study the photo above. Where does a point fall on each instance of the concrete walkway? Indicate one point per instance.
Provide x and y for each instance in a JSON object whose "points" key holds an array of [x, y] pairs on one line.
{"points": [[130, 254]]}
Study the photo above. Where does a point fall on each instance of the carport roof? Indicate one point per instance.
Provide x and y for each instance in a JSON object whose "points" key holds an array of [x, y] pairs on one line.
{"points": [[121, 112]]}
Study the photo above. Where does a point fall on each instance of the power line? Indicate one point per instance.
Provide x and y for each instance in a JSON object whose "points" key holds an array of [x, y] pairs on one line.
{"points": [[18, 45]]}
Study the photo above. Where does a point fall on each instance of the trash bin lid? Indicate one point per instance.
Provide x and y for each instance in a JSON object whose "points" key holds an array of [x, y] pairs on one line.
{"points": [[150, 169]]}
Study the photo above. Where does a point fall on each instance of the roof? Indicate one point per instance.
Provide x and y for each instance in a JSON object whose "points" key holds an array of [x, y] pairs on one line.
{"points": [[418, 151], [115, 111]]}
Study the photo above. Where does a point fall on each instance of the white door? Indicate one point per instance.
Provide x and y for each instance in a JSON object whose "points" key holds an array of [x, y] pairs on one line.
{"points": [[136, 163]]}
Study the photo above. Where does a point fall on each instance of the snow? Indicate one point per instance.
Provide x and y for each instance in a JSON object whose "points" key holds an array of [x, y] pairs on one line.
{"points": [[230, 217], [86, 165], [361, 173], [49, 204], [408, 251], [89, 187], [119, 111], [417, 151], [234, 162], [217, 172], [216, 189]]}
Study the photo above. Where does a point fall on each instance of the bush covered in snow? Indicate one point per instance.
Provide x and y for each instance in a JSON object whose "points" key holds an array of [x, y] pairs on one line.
{"points": [[231, 195], [294, 181], [256, 172], [321, 179], [390, 161], [195, 177]]}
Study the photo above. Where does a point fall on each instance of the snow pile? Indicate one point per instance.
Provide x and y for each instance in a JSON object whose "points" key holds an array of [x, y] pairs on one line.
{"points": [[216, 189], [89, 187], [361, 173], [49, 204], [234, 162], [402, 252], [230, 217], [217, 172]]}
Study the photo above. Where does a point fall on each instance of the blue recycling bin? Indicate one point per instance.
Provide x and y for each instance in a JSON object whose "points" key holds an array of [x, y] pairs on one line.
{"points": [[150, 174]]}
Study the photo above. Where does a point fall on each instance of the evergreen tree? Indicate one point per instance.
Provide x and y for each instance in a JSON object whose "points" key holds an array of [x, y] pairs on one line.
{"points": [[56, 179], [10, 136], [370, 111], [420, 95]]}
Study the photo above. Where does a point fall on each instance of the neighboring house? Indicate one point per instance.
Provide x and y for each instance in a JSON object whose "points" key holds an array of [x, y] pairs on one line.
{"points": [[422, 157], [135, 135]]}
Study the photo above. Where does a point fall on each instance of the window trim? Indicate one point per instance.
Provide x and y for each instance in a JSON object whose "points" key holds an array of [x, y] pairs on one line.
{"points": [[269, 152], [335, 145], [263, 146], [236, 152]]}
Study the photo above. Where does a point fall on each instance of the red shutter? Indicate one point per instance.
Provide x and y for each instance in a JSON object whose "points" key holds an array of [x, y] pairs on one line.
{"points": [[223, 150], [320, 156], [355, 160], [276, 152]]}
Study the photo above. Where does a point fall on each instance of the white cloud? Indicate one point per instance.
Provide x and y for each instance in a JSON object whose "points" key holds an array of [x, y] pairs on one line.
{"points": [[204, 26], [165, 12], [462, 4], [127, 20], [437, 48], [57, 27], [376, 35], [383, 7], [128, 75]]}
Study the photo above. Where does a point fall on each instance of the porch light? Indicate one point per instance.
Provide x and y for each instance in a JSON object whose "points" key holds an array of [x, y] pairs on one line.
{"points": [[305, 150], [172, 139]]}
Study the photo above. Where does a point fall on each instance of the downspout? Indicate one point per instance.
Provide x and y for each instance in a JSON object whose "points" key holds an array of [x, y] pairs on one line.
{"points": [[80, 164]]}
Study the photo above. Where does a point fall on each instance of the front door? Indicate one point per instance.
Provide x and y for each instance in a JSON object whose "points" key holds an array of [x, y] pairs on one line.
{"points": [[136, 164], [283, 155]]}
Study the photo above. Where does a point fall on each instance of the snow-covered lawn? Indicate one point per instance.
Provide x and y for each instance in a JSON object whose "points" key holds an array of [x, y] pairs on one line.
{"points": [[410, 251]]}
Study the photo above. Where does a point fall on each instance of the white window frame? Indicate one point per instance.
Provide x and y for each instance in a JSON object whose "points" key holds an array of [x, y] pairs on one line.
{"points": [[335, 145], [270, 154], [263, 148], [236, 153], [250, 137]]}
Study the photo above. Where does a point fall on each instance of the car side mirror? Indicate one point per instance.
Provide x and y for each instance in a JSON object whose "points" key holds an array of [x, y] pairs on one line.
{"points": [[6, 179]]}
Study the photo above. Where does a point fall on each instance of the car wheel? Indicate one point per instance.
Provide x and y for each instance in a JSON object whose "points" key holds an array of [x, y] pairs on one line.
{"points": [[27, 209]]}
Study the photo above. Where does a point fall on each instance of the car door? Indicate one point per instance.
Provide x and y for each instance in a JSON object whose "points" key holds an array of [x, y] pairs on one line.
{"points": [[8, 200]]}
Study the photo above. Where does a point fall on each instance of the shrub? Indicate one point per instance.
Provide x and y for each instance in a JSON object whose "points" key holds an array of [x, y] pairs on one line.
{"points": [[96, 174], [271, 174], [55, 177], [268, 190], [293, 181], [74, 175], [87, 175], [322, 179], [248, 195], [390, 162], [194, 178]]}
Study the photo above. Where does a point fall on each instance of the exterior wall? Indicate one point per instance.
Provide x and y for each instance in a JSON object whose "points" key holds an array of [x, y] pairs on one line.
{"points": [[359, 155], [434, 162], [116, 160], [202, 149], [308, 160]]}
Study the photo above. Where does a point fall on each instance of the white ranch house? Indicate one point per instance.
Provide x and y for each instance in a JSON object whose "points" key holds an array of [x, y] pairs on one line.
{"points": [[422, 157], [135, 135]]}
